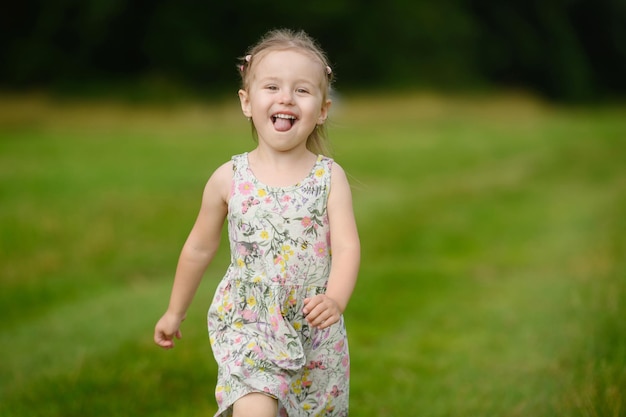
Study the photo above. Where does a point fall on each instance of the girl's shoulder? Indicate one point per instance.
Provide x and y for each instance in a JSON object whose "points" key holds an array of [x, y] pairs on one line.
{"points": [[339, 178], [221, 180], [224, 171]]}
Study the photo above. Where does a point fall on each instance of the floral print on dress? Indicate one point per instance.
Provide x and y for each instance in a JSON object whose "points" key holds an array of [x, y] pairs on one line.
{"points": [[280, 255]]}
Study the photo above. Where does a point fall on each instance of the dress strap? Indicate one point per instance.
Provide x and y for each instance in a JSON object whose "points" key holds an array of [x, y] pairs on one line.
{"points": [[240, 162], [327, 164]]}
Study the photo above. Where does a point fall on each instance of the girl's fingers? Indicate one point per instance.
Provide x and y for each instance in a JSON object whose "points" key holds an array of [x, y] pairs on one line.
{"points": [[166, 340], [322, 319], [327, 322], [311, 303], [320, 311], [163, 341]]}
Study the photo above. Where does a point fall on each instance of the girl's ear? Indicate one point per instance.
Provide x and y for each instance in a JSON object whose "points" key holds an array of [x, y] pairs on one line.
{"points": [[245, 103], [324, 112]]}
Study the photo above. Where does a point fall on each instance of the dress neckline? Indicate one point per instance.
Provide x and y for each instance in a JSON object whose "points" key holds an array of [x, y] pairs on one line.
{"points": [[260, 183]]}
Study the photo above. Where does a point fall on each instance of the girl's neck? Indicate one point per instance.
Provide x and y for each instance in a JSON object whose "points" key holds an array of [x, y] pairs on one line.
{"points": [[267, 155], [281, 169]]}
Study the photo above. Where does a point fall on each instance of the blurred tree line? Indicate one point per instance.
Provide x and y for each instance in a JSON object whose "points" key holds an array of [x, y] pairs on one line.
{"points": [[563, 49]]}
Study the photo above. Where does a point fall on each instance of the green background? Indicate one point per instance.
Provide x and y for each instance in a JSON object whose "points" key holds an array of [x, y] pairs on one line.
{"points": [[492, 280]]}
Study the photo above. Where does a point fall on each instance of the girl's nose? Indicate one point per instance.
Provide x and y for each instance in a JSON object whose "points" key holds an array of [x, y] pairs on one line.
{"points": [[286, 97]]}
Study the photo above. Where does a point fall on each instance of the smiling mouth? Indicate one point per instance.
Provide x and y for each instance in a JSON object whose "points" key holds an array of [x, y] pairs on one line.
{"points": [[283, 122]]}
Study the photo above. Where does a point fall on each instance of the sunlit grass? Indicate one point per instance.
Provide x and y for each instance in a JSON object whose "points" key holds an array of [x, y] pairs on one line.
{"points": [[492, 279]]}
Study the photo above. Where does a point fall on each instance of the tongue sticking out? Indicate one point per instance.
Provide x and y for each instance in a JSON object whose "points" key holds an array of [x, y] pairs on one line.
{"points": [[282, 125]]}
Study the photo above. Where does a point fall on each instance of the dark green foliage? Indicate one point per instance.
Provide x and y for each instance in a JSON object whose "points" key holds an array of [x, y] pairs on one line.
{"points": [[568, 50]]}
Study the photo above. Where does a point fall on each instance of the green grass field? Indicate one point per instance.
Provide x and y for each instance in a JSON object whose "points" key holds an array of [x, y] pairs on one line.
{"points": [[493, 279]]}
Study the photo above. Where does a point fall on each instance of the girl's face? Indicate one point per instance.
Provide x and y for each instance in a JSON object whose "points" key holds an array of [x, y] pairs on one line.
{"points": [[285, 98]]}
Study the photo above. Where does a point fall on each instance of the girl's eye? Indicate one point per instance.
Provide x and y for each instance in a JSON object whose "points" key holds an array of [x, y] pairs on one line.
{"points": [[272, 87], [302, 90]]}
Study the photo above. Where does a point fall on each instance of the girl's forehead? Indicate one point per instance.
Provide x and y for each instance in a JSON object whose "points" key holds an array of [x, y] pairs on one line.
{"points": [[288, 64], [287, 58]]}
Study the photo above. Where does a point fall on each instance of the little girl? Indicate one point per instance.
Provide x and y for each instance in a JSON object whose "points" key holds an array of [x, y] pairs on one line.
{"points": [[275, 324]]}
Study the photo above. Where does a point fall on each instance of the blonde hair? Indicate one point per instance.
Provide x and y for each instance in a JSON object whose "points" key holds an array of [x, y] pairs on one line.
{"points": [[285, 39]]}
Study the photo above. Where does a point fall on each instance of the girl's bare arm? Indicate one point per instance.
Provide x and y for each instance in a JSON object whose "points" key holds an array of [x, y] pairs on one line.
{"points": [[198, 251]]}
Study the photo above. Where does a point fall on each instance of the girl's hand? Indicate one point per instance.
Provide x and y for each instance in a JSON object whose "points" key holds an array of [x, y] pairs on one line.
{"points": [[166, 329], [321, 311]]}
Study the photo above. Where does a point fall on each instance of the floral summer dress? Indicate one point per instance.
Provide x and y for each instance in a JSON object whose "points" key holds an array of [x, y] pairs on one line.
{"points": [[280, 254]]}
